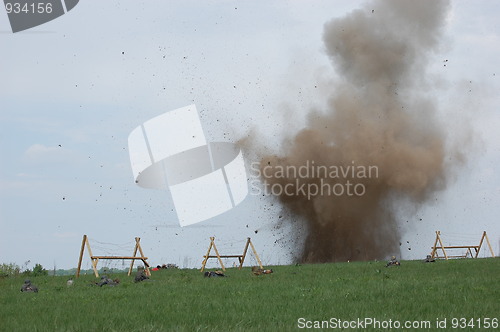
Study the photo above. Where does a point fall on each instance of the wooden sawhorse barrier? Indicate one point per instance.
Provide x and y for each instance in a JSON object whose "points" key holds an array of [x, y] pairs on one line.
{"points": [[468, 252], [241, 258], [95, 259]]}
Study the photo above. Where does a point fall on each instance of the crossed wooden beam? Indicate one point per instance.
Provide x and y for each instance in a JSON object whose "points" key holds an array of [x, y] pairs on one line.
{"points": [[95, 259], [241, 258], [468, 252]]}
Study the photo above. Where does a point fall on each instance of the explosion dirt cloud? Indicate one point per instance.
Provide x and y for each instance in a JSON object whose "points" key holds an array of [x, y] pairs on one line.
{"points": [[381, 113]]}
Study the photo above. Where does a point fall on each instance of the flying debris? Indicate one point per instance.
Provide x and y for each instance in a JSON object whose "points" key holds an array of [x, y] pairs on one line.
{"points": [[377, 119]]}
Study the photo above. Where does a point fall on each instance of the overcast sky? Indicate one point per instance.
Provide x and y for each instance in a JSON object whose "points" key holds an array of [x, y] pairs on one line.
{"points": [[73, 89]]}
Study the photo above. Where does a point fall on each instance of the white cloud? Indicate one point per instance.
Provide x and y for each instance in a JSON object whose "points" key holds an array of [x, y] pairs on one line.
{"points": [[39, 153], [39, 149]]}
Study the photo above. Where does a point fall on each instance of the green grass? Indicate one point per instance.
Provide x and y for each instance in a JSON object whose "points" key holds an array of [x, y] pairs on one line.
{"points": [[182, 300]]}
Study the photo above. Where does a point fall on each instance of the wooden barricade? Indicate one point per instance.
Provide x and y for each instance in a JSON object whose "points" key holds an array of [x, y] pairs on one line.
{"points": [[241, 258], [95, 259], [468, 251]]}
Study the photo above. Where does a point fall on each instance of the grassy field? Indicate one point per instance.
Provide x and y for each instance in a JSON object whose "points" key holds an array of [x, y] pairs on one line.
{"points": [[182, 300]]}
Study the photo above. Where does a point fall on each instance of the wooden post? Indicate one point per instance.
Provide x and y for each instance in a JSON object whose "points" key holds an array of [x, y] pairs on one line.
{"points": [[94, 260], [489, 245], [146, 265], [133, 260], [218, 256], [441, 243], [208, 254], [435, 247], [255, 253], [94, 266], [480, 244], [82, 248], [242, 259]]}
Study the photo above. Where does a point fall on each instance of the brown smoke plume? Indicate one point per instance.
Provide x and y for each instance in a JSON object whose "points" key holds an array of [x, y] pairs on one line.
{"points": [[380, 114]]}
